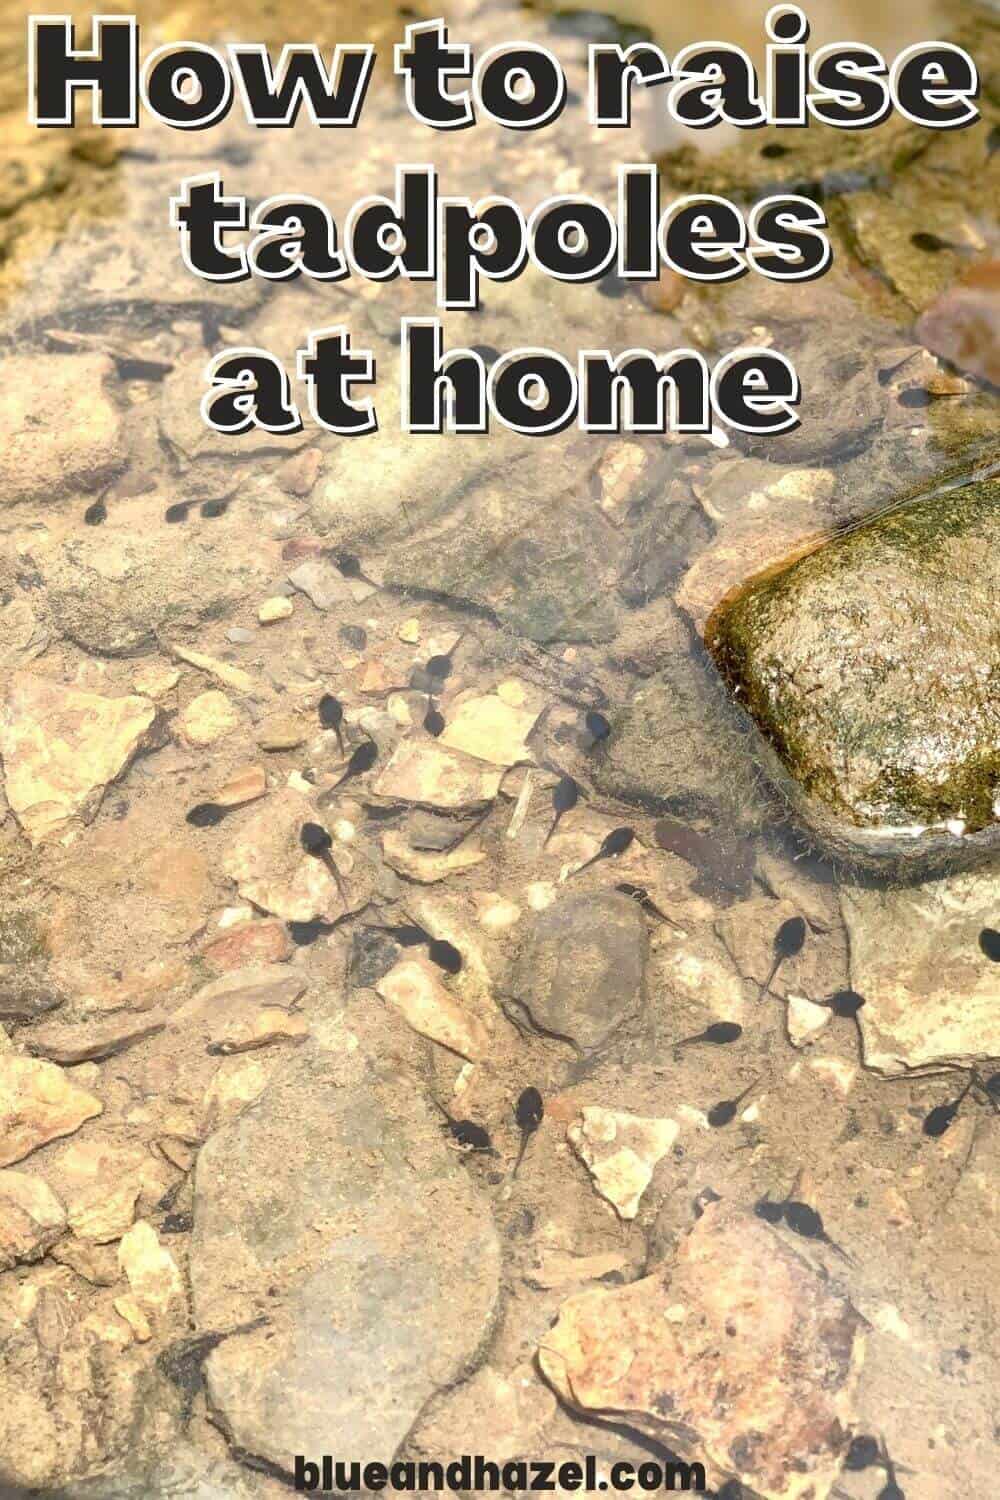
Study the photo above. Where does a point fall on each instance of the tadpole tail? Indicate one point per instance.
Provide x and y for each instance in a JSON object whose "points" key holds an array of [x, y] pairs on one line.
{"points": [[525, 1138], [768, 981], [331, 865], [555, 825]]}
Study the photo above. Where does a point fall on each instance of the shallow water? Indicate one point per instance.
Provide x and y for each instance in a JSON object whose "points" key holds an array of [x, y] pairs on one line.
{"points": [[575, 574]]}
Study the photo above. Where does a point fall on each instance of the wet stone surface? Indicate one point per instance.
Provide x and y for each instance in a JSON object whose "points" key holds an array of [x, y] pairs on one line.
{"points": [[869, 666]]}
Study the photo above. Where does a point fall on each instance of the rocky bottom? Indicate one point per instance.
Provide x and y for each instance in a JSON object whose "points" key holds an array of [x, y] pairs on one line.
{"points": [[424, 1030]]}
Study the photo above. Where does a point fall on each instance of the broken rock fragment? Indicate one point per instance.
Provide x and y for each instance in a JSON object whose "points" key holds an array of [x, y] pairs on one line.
{"points": [[738, 1355], [61, 747], [271, 869], [31, 1218], [38, 1103], [414, 989], [431, 775], [620, 1151], [932, 997]]}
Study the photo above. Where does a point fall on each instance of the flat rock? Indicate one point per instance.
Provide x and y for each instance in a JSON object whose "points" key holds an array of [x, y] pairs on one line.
{"points": [[59, 433], [64, 1042], [580, 973], [271, 869], [490, 729], [620, 1151], [38, 1103], [333, 1210], [208, 717], [413, 987], [932, 998], [100, 1183], [424, 868], [31, 1218], [866, 667], [250, 943], [245, 1009], [737, 1354], [61, 747], [429, 774]]}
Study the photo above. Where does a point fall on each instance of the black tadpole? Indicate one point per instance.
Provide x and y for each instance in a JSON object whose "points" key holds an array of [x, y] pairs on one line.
{"points": [[445, 955], [640, 894], [844, 1003], [565, 796], [529, 1112], [801, 1218], [206, 815], [724, 1112], [315, 839], [597, 726], [434, 720], [95, 514], [617, 841], [719, 1034], [362, 759], [439, 666], [942, 1116], [788, 941], [989, 943], [331, 716], [466, 1133], [862, 1452], [350, 567], [304, 934]]}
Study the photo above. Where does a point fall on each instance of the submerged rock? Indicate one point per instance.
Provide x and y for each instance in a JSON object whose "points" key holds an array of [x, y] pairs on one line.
{"points": [[61, 748], [870, 666], [932, 997], [339, 1235], [738, 1355], [581, 972]]}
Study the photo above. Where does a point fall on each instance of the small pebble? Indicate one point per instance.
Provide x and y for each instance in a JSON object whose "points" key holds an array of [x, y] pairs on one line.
{"points": [[275, 608]]}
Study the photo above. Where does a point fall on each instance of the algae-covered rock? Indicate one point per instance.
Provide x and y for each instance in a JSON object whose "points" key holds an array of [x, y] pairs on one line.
{"points": [[871, 667]]}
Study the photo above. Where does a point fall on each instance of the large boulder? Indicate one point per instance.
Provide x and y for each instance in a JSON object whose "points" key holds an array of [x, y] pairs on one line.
{"points": [[870, 666]]}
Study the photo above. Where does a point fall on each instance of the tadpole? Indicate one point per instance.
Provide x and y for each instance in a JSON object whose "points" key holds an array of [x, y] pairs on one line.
{"points": [[95, 514], [862, 1452], [597, 726], [989, 943], [719, 1034], [434, 720], [616, 842], [843, 1003], [640, 894], [724, 1112], [362, 760], [350, 567], [205, 815], [445, 955], [439, 667], [331, 716], [942, 1116], [467, 1133], [565, 795], [529, 1112], [788, 941], [316, 840]]}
